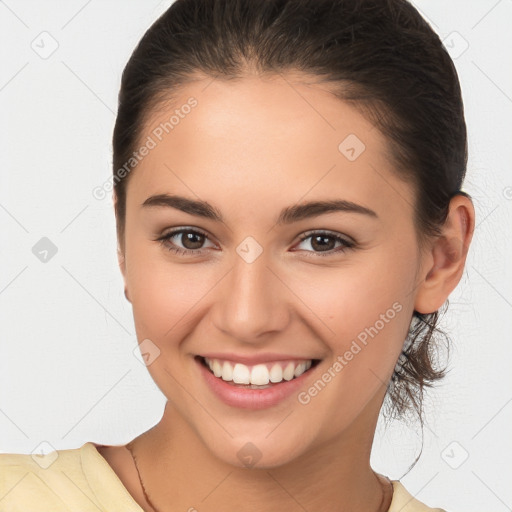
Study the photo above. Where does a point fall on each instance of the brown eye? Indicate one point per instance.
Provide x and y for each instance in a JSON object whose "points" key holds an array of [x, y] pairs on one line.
{"points": [[191, 240], [323, 244]]}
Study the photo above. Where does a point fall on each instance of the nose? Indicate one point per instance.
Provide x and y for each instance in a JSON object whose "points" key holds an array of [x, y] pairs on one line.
{"points": [[253, 304]]}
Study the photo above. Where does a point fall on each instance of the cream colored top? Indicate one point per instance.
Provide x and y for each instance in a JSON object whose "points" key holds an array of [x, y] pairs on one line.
{"points": [[82, 480]]}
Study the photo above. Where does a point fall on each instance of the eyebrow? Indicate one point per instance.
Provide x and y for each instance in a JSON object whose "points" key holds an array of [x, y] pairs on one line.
{"points": [[288, 215]]}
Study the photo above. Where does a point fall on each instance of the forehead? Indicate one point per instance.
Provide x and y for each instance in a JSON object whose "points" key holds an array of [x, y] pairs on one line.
{"points": [[265, 139]]}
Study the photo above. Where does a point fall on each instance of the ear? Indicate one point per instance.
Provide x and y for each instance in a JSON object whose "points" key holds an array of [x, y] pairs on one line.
{"points": [[443, 263], [120, 255]]}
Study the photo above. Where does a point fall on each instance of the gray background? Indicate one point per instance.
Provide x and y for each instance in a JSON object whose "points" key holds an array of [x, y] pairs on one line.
{"points": [[68, 373]]}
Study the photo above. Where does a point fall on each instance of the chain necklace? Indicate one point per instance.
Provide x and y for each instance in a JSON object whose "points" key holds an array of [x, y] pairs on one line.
{"points": [[387, 493], [146, 497]]}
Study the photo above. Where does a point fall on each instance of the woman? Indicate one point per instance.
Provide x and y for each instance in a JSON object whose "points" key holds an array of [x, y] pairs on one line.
{"points": [[287, 184]]}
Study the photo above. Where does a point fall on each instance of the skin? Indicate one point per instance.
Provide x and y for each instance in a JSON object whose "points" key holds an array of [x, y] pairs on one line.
{"points": [[251, 148]]}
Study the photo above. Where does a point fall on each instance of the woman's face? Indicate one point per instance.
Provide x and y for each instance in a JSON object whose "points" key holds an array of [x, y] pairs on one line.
{"points": [[251, 292]]}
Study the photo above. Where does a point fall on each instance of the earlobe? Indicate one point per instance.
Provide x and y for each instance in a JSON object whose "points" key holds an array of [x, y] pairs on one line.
{"points": [[447, 256], [122, 267]]}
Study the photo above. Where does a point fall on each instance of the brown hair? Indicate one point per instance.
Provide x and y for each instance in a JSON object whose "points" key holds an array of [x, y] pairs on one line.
{"points": [[380, 55]]}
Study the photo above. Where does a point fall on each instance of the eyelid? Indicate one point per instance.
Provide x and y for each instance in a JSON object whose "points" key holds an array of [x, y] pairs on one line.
{"points": [[347, 243], [175, 231], [185, 229], [327, 232]]}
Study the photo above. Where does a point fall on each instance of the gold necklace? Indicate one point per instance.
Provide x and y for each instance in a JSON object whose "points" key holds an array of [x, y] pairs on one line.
{"points": [[387, 491]]}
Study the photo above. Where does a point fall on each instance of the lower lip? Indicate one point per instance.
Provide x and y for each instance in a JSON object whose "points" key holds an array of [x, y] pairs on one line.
{"points": [[246, 398]]}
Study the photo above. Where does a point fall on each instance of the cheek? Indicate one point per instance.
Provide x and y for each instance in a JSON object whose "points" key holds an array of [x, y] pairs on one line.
{"points": [[162, 293], [365, 311], [368, 312], [164, 297], [352, 297]]}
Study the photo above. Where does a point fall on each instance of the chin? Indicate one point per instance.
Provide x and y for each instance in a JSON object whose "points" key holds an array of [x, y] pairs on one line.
{"points": [[259, 451]]}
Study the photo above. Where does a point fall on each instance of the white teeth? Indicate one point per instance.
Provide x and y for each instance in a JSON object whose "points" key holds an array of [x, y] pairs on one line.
{"points": [[276, 373], [216, 367], [227, 371], [300, 369], [241, 374], [258, 375], [288, 371]]}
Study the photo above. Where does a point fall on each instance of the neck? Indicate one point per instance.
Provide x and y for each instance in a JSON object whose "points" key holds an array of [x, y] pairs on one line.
{"points": [[180, 473]]}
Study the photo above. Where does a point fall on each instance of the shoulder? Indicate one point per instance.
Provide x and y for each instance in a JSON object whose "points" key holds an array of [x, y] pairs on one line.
{"points": [[403, 501], [53, 481]]}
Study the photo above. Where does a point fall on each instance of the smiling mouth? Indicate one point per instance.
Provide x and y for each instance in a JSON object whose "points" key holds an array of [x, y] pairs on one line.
{"points": [[259, 376]]}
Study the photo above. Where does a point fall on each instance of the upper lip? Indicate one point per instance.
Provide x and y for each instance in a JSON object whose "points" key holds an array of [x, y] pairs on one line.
{"points": [[255, 359]]}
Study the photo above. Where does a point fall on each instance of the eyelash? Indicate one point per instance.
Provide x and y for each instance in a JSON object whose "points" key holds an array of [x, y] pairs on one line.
{"points": [[164, 240]]}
